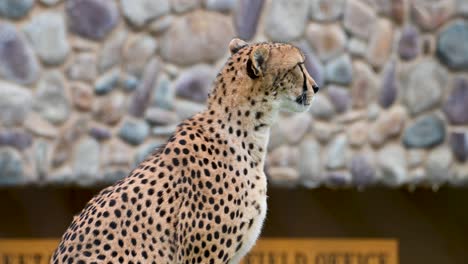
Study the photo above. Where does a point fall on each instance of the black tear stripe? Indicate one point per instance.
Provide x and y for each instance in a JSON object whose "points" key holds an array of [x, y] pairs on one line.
{"points": [[250, 71], [304, 84]]}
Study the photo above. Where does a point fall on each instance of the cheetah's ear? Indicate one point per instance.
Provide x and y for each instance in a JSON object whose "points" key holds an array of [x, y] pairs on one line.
{"points": [[236, 44], [256, 63]]}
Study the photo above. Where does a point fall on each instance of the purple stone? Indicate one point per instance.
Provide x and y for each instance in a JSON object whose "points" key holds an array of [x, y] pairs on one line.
{"points": [[389, 89], [17, 139], [100, 133], [142, 94], [246, 17], [195, 83], [459, 145], [340, 97], [408, 46], [456, 107], [362, 171], [92, 19], [17, 60]]}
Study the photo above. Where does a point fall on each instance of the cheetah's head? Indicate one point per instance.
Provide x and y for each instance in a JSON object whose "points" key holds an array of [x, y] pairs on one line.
{"points": [[278, 71]]}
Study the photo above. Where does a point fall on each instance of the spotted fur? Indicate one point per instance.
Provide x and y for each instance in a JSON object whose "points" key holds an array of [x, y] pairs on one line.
{"points": [[201, 198]]}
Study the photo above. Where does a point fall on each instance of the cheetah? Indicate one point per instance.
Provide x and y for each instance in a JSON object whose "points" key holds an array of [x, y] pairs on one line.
{"points": [[202, 197]]}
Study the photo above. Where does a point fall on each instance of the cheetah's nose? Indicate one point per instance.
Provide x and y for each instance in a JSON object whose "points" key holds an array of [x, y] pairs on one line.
{"points": [[315, 87]]}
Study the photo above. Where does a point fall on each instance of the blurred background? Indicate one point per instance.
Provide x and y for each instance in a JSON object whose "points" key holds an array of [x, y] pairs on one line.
{"points": [[89, 87]]}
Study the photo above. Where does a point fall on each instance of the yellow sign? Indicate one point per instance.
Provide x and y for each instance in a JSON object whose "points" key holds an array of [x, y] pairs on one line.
{"points": [[323, 251], [267, 251]]}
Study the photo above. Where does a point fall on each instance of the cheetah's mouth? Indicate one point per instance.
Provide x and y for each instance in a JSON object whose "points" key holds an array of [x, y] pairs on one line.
{"points": [[302, 99]]}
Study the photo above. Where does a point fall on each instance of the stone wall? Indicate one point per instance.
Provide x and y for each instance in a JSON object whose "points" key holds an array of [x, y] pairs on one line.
{"points": [[89, 87]]}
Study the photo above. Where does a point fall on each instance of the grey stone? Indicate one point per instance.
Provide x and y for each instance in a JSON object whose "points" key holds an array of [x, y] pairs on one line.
{"points": [[459, 144], [246, 16], [18, 139], [137, 52], [63, 175], [339, 70], [328, 41], [144, 151], [415, 157], [450, 45], [134, 131], [50, 2], [392, 163], [15, 9], [389, 85], [110, 54], [142, 95], [161, 25], [207, 43], [83, 67], [340, 98], [112, 175], [195, 83], [163, 93], [283, 175], [425, 132], [110, 109], [11, 167], [323, 10], [337, 152], [373, 111], [456, 106], [82, 96], [438, 165], [357, 47], [321, 107], [17, 60], [92, 19], [408, 46], [296, 126], [129, 82], [100, 133], [164, 131], [431, 14], [220, 5], [41, 158], [139, 12], [462, 8], [312, 63], [388, 125], [359, 18], [107, 82], [116, 153], [362, 170], [51, 101], [380, 43], [86, 161], [183, 6], [15, 104], [422, 85], [286, 19], [186, 109], [40, 127], [310, 166], [364, 88], [48, 36], [160, 117]]}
